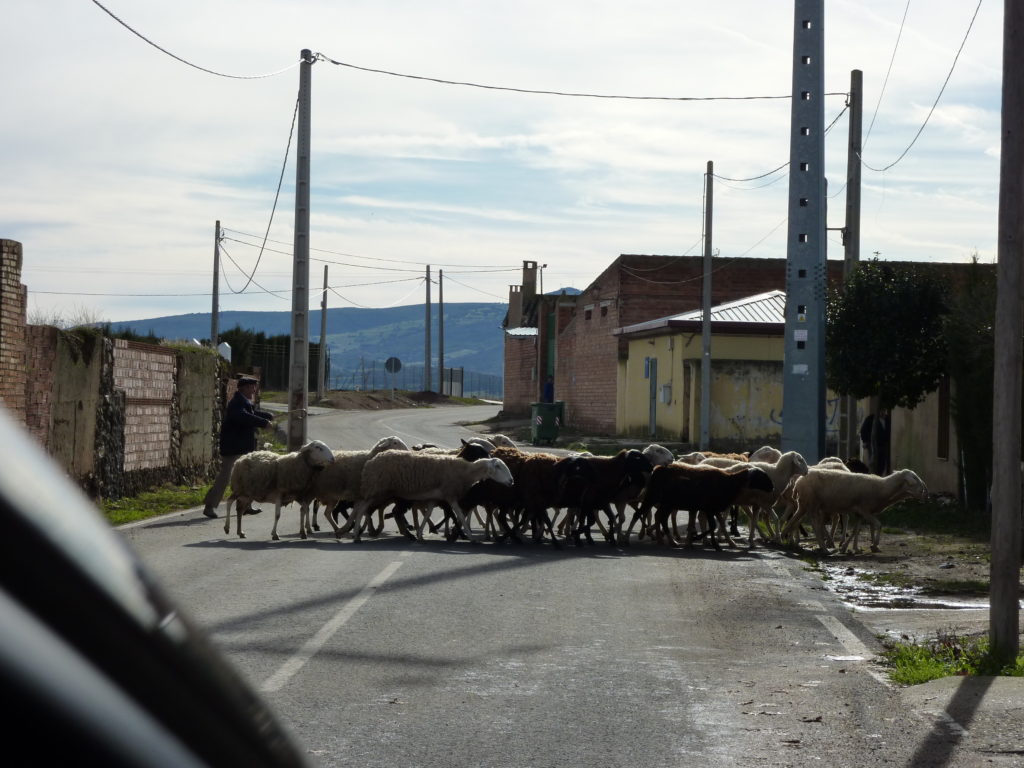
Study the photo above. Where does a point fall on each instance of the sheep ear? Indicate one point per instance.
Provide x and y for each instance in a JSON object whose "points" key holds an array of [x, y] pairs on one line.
{"points": [[462, 440]]}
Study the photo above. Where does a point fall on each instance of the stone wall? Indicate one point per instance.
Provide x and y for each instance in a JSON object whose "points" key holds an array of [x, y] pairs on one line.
{"points": [[119, 416]]}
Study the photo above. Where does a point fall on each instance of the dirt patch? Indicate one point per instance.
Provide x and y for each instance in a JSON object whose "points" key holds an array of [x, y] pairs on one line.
{"points": [[932, 564]]}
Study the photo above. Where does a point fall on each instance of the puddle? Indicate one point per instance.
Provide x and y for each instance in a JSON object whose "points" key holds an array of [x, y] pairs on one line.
{"points": [[863, 595]]}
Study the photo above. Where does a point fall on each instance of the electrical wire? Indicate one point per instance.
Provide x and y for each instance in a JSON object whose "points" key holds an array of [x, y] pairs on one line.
{"points": [[415, 288], [251, 279], [885, 82], [934, 105], [775, 170], [485, 293], [277, 194], [183, 61], [324, 57], [346, 255]]}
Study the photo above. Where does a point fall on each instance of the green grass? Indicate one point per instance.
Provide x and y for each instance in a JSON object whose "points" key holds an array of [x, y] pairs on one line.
{"points": [[947, 654], [167, 498], [936, 516]]}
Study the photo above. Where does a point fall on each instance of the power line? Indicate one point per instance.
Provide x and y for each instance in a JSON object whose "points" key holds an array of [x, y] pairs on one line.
{"points": [[349, 255], [251, 277], [277, 194], [447, 276], [419, 282], [183, 61], [934, 105], [324, 57], [885, 82], [775, 170]]}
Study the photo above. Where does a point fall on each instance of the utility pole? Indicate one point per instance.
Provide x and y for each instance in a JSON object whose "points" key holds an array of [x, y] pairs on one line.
{"points": [[1006, 404], [298, 372], [803, 373], [705, 367], [214, 319], [321, 375], [426, 343], [848, 432], [440, 331]]}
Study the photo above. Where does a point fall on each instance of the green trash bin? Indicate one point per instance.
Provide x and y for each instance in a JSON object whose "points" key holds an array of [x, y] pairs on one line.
{"points": [[545, 422]]}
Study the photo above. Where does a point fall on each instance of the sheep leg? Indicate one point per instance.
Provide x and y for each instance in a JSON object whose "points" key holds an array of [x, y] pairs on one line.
{"points": [[277, 516], [316, 505], [464, 522], [356, 520], [734, 520], [304, 530]]}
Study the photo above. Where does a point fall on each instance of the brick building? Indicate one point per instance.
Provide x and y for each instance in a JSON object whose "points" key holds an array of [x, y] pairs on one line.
{"points": [[573, 335]]}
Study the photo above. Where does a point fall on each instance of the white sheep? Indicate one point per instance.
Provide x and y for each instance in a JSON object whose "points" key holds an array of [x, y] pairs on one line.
{"points": [[340, 481], [277, 478], [414, 476], [766, 453], [823, 493], [501, 441]]}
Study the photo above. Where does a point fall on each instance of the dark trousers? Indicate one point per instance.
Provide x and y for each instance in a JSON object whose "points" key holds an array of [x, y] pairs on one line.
{"points": [[220, 484]]}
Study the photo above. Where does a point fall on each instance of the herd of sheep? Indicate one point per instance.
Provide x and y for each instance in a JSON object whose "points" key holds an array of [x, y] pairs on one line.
{"points": [[512, 493]]}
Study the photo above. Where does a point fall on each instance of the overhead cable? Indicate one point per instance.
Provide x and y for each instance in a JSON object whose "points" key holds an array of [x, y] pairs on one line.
{"points": [[277, 194], [542, 92], [184, 61], [776, 170], [885, 82], [934, 105]]}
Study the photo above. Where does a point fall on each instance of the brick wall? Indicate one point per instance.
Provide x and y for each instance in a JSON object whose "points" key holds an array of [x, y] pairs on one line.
{"points": [[520, 384], [12, 329], [40, 357], [146, 374]]}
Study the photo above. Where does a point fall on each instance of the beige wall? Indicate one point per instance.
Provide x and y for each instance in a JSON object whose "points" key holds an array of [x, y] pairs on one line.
{"points": [[746, 404], [915, 446]]}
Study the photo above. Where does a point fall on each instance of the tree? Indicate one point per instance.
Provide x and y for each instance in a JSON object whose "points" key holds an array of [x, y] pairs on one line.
{"points": [[885, 337]]}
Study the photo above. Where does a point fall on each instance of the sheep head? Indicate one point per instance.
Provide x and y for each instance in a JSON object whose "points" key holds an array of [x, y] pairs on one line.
{"points": [[657, 455], [391, 443], [797, 462], [501, 441], [498, 471], [912, 485], [317, 454]]}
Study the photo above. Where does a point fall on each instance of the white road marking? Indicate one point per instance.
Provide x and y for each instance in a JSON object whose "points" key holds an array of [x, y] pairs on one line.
{"points": [[287, 670], [845, 637]]}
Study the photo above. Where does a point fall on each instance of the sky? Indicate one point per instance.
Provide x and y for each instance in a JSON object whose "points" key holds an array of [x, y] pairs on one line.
{"points": [[117, 158]]}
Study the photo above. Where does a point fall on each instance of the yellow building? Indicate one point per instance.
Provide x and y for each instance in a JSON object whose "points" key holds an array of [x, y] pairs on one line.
{"points": [[659, 389]]}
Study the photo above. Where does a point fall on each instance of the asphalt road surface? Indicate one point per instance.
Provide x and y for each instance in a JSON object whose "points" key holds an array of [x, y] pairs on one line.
{"points": [[395, 653]]}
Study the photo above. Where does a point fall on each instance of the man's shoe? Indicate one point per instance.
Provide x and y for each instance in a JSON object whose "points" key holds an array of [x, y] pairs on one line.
{"points": [[209, 512], [252, 511]]}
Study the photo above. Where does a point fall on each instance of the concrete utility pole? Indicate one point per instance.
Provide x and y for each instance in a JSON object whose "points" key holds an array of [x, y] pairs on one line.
{"points": [[214, 319], [848, 427], [705, 368], [803, 373], [1006, 405], [426, 343], [440, 331], [298, 371], [321, 376]]}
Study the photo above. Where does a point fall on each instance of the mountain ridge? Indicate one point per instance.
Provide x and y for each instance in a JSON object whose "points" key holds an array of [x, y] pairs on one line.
{"points": [[474, 338]]}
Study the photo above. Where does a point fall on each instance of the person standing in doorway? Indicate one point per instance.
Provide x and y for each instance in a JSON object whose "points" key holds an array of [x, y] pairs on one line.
{"points": [[237, 437]]}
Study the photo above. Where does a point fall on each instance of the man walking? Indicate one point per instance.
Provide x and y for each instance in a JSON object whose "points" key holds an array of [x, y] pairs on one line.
{"points": [[237, 437]]}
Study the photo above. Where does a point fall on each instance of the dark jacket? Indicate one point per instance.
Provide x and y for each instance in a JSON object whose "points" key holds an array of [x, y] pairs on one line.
{"points": [[238, 430]]}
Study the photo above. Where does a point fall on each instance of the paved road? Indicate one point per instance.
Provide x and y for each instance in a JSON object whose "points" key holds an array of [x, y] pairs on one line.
{"points": [[392, 653]]}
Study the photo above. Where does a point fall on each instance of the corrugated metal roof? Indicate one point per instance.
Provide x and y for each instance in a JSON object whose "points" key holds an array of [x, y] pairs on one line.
{"points": [[521, 331], [767, 307], [762, 308]]}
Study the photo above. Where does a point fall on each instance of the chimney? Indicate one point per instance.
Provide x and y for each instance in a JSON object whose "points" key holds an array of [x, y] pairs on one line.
{"points": [[515, 306], [529, 282]]}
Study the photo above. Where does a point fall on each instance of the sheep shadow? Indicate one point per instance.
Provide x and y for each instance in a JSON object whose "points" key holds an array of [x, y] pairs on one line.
{"points": [[526, 549]]}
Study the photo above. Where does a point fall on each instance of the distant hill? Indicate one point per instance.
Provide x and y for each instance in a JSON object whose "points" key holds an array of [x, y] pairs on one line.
{"points": [[360, 337]]}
